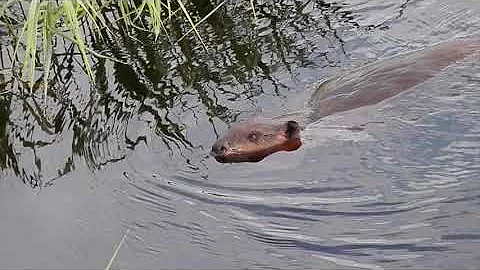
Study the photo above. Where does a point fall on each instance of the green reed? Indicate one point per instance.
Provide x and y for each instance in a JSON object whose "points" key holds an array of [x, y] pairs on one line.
{"points": [[46, 20]]}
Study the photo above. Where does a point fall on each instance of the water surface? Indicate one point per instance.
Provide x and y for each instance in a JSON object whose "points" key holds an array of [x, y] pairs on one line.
{"points": [[130, 153]]}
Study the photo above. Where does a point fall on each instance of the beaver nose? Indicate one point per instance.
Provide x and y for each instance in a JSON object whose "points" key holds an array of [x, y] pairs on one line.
{"points": [[218, 149]]}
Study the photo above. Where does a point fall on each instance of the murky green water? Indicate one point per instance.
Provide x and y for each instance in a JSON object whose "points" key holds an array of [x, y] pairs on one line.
{"points": [[130, 153]]}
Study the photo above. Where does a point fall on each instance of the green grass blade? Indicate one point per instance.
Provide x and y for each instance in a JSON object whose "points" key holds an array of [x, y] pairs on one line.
{"points": [[159, 9], [187, 15], [72, 21], [154, 16], [254, 13], [125, 13], [31, 41], [49, 22], [92, 13], [140, 9], [169, 9], [115, 253], [155, 12], [90, 50], [202, 20]]}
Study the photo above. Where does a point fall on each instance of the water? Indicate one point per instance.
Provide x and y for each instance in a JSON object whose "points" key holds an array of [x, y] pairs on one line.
{"points": [[133, 156]]}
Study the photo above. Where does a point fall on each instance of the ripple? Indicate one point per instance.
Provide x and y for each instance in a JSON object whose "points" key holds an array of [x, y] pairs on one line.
{"points": [[348, 263], [397, 192]]}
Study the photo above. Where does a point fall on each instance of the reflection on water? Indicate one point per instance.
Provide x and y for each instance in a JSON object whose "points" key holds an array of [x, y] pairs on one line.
{"points": [[400, 192], [159, 87]]}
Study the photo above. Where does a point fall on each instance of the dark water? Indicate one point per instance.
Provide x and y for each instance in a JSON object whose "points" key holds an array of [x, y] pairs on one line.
{"points": [[130, 153]]}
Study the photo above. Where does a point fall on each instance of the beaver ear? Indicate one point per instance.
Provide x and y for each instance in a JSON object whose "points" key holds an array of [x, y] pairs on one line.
{"points": [[292, 130]]}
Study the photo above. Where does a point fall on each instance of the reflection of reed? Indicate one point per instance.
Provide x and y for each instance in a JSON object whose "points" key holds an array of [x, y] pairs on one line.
{"points": [[7, 156], [160, 77]]}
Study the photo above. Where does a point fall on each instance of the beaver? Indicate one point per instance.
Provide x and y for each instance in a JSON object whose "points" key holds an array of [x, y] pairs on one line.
{"points": [[253, 140]]}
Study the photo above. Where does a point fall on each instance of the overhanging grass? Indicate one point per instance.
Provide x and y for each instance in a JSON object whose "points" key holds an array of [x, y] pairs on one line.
{"points": [[47, 20]]}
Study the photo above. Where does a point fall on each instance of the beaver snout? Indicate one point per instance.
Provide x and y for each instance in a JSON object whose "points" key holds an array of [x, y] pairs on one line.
{"points": [[219, 149], [219, 152], [252, 141]]}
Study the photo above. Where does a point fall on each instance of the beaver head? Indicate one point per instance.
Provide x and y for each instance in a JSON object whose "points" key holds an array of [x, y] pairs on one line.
{"points": [[252, 141]]}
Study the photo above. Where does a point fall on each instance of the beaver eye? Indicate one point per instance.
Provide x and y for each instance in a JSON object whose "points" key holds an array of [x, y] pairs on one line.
{"points": [[253, 136]]}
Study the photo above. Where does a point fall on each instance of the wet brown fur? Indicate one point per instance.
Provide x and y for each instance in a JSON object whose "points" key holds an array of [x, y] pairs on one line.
{"points": [[251, 141]]}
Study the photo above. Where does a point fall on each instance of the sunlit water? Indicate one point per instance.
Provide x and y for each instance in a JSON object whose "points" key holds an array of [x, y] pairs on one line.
{"points": [[403, 192]]}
